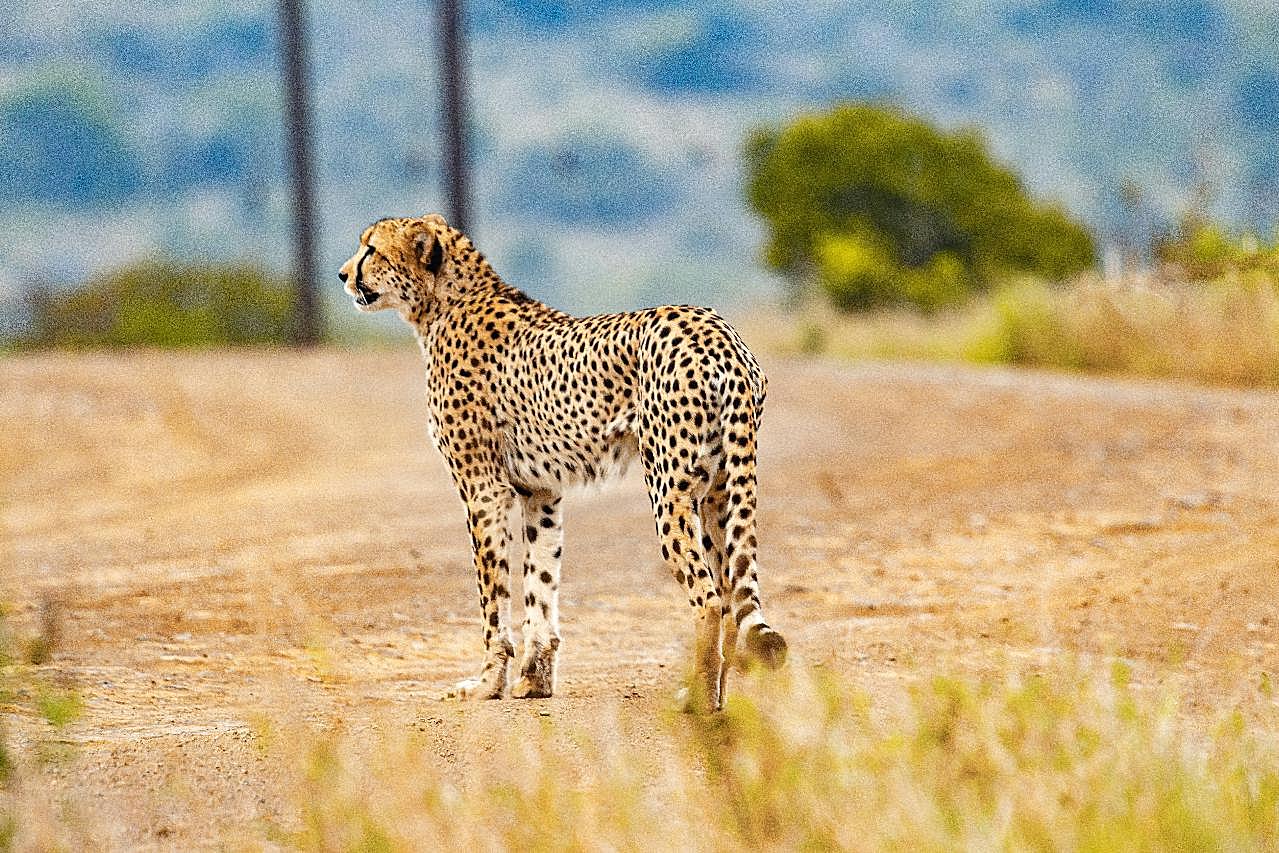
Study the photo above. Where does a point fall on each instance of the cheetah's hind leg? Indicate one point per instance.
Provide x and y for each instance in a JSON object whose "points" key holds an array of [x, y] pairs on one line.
{"points": [[537, 671]]}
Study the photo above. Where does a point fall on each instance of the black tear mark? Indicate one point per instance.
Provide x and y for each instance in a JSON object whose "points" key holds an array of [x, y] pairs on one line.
{"points": [[359, 268]]}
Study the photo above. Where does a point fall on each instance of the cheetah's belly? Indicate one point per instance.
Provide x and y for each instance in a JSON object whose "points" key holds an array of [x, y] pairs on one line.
{"points": [[553, 457], [567, 407]]}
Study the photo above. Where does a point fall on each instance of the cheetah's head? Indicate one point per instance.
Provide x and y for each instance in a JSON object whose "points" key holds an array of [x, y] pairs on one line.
{"points": [[397, 264]]}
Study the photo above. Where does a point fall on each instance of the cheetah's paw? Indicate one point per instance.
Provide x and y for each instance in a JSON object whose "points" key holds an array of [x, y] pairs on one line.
{"points": [[489, 684], [474, 689]]}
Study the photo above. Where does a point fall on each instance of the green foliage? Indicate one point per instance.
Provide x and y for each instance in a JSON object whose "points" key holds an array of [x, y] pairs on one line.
{"points": [[856, 270], [881, 208], [164, 304], [59, 707], [1205, 251], [1030, 328]]}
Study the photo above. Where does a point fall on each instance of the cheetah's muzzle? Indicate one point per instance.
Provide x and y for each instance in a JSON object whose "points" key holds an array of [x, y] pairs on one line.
{"points": [[366, 296]]}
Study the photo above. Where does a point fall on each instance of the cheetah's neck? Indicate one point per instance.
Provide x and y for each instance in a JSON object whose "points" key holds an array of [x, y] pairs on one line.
{"points": [[473, 281]]}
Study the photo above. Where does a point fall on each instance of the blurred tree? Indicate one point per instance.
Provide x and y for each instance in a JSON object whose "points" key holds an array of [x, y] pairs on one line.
{"points": [[1201, 249], [162, 304], [881, 208]]}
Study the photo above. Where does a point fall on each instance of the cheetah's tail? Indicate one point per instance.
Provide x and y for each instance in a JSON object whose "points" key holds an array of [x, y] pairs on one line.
{"points": [[740, 420]]}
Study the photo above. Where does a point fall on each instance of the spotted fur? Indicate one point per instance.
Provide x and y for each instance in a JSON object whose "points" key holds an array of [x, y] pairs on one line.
{"points": [[524, 401]]}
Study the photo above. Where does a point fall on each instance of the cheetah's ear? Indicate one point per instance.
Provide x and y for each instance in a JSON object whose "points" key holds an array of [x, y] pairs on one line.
{"points": [[435, 259], [429, 249]]}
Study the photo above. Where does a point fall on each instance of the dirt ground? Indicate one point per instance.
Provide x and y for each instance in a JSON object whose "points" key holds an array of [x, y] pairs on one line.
{"points": [[227, 536]]}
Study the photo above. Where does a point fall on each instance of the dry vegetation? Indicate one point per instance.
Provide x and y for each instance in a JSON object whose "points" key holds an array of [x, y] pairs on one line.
{"points": [[1222, 332], [28, 820], [1030, 761]]}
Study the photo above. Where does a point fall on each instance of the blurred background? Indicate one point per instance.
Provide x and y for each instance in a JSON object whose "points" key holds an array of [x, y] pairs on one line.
{"points": [[841, 157]]}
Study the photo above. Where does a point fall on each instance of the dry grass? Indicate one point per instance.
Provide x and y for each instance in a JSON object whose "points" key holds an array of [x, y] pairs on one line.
{"points": [[29, 818], [1061, 761], [1224, 332], [1065, 759], [896, 334]]}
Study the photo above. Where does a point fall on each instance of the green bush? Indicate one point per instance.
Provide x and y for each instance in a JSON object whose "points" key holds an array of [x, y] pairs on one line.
{"points": [[881, 208], [165, 304], [858, 271], [940, 283], [1031, 328], [1205, 251], [855, 271]]}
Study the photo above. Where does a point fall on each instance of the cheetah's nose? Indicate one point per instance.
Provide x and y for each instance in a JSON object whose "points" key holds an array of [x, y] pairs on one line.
{"points": [[342, 276]]}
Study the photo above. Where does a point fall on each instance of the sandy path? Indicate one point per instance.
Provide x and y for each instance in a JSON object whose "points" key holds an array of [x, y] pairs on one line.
{"points": [[233, 535]]}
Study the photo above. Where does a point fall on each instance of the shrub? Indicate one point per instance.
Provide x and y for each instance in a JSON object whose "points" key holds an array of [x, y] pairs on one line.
{"points": [[1030, 328], [1204, 251], [166, 304], [885, 209], [1223, 332], [856, 271]]}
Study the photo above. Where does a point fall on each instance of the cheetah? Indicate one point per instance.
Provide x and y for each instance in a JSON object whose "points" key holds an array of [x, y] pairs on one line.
{"points": [[525, 401]]}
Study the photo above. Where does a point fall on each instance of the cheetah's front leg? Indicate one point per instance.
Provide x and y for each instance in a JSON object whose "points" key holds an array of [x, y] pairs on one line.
{"points": [[544, 541], [489, 509]]}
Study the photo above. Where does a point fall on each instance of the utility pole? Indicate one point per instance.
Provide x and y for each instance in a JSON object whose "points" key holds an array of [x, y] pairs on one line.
{"points": [[452, 58], [306, 323]]}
